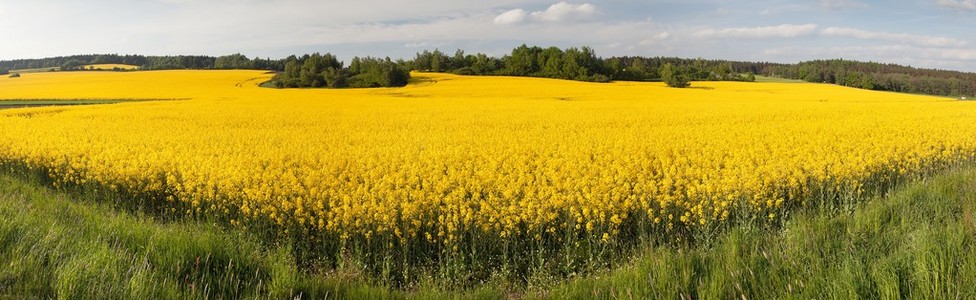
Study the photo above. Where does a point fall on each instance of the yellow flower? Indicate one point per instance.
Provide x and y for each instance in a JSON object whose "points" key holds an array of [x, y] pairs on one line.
{"points": [[495, 154]]}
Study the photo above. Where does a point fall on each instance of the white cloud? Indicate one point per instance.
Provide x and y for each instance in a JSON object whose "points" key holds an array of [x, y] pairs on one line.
{"points": [[559, 12], [564, 11], [841, 4], [778, 31], [511, 17], [459, 29], [920, 40], [958, 4], [217, 27], [655, 39]]}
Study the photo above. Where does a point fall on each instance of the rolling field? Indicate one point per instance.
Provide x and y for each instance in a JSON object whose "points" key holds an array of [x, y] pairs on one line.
{"points": [[135, 85], [468, 176]]}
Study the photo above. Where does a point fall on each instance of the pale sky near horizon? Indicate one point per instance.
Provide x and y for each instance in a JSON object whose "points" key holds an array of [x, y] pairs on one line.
{"points": [[922, 33]]}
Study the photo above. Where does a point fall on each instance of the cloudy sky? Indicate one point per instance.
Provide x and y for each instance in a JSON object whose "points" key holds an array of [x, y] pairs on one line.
{"points": [[923, 33]]}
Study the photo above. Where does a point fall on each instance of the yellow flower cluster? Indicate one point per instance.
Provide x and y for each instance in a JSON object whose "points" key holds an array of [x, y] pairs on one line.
{"points": [[450, 155]]}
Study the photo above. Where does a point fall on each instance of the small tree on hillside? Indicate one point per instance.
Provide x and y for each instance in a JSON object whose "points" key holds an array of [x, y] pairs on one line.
{"points": [[674, 76], [72, 64]]}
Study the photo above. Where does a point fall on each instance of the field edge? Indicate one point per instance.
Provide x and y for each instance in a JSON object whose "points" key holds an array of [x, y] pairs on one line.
{"points": [[919, 241]]}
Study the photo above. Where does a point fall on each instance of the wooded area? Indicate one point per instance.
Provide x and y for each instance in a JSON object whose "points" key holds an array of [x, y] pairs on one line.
{"points": [[325, 70], [318, 70]]}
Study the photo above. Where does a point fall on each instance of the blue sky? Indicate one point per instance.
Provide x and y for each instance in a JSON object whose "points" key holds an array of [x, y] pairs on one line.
{"points": [[923, 33]]}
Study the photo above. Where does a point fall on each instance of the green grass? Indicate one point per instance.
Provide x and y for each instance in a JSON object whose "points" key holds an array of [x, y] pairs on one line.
{"points": [[56, 102], [22, 103], [56, 246], [63, 245], [919, 242], [776, 79], [36, 70], [4, 104]]}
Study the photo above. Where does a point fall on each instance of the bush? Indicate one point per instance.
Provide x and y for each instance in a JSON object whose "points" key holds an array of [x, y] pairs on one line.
{"points": [[465, 71], [675, 76], [599, 78]]}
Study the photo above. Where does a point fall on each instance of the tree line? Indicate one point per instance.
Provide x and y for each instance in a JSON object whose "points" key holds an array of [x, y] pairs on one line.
{"points": [[577, 64], [76, 61], [309, 70], [882, 77], [583, 64], [571, 63], [318, 70], [325, 70]]}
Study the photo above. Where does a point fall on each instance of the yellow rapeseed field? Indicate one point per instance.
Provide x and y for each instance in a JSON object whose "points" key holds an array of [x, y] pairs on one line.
{"points": [[131, 85], [450, 159]]}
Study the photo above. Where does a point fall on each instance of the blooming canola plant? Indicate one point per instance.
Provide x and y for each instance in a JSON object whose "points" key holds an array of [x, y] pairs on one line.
{"points": [[449, 159]]}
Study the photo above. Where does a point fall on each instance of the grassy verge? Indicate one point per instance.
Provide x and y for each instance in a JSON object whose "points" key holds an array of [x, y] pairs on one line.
{"points": [[53, 245], [777, 79], [57, 102], [36, 70], [68, 246], [919, 242], [42, 103], [24, 103]]}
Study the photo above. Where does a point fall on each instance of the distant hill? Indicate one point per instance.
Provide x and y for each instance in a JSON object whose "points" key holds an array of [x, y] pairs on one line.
{"points": [[571, 63]]}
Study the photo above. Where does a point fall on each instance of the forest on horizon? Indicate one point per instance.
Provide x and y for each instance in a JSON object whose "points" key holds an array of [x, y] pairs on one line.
{"points": [[325, 70]]}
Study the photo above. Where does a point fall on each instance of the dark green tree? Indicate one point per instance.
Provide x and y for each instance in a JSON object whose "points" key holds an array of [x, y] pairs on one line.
{"points": [[438, 61], [722, 71], [459, 60], [483, 64], [289, 78], [72, 64], [551, 62], [335, 77], [233, 61], [376, 72], [674, 76], [750, 77], [522, 61]]}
